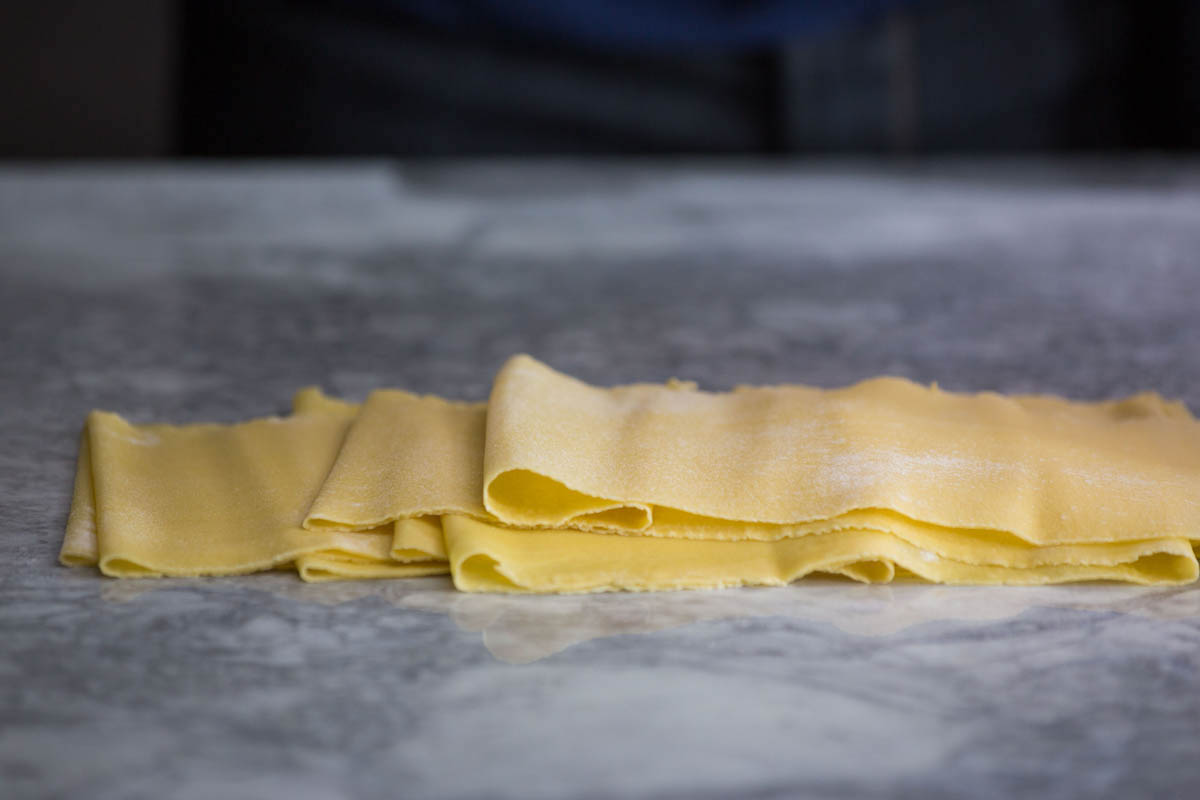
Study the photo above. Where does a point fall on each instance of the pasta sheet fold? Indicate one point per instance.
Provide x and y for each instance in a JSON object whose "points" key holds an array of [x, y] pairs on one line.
{"points": [[558, 486], [739, 465], [153, 500], [419, 460]]}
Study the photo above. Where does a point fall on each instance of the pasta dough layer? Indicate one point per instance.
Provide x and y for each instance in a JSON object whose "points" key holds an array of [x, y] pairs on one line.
{"points": [[557, 486], [489, 558], [155, 500], [418, 539], [433, 452], [886, 455], [404, 456]]}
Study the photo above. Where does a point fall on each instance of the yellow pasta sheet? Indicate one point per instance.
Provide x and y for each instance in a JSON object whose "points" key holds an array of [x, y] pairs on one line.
{"points": [[885, 454], [412, 458], [488, 558], [155, 500], [405, 456], [557, 486], [406, 459]]}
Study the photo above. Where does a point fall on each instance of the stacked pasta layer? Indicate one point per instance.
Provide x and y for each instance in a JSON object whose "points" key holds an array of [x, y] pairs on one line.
{"points": [[558, 486]]}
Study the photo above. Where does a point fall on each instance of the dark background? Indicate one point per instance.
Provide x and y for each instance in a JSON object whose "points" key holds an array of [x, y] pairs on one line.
{"points": [[146, 78]]}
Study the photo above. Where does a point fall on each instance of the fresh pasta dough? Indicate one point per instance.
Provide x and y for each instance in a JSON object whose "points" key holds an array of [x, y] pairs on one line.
{"points": [[154, 500], [558, 486], [436, 457], [489, 558], [404, 456], [773, 462], [406, 460]]}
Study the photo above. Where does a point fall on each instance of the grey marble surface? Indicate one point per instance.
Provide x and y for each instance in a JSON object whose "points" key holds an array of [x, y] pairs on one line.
{"points": [[211, 292]]}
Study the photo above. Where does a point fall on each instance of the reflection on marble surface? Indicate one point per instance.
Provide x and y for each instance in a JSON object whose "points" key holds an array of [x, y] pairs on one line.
{"points": [[520, 629]]}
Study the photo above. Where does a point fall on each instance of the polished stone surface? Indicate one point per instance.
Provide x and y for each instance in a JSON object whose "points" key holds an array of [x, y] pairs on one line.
{"points": [[211, 292]]}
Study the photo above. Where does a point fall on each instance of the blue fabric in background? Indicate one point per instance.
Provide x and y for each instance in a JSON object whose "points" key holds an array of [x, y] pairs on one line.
{"points": [[647, 24], [418, 78]]}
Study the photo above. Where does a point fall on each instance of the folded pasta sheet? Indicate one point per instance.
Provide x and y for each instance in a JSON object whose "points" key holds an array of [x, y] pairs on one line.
{"points": [[488, 558], [885, 454], [557, 486], [406, 460], [405, 456], [417, 459], [218, 499]]}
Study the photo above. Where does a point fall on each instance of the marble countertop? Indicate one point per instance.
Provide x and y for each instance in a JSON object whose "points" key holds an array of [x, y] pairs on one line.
{"points": [[186, 293]]}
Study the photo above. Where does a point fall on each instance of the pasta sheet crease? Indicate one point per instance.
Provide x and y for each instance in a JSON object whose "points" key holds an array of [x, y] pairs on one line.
{"points": [[153, 500]]}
